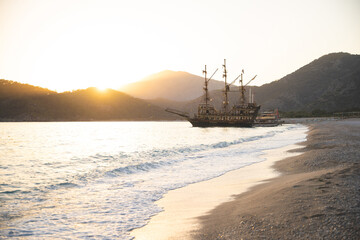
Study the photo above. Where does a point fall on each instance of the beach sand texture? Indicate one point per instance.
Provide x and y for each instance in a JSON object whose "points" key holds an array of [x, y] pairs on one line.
{"points": [[316, 197], [183, 206]]}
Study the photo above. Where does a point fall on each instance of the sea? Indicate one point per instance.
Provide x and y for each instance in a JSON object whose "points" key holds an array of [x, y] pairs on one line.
{"points": [[100, 180]]}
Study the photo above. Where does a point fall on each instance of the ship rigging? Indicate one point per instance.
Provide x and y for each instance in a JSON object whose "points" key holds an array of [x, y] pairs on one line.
{"points": [[242, 114]]}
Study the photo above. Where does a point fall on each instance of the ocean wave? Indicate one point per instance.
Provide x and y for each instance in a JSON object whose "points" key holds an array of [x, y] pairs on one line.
{"points": [[62, 185], [11, 192], [145, 161], [141, 167], [158, 153], [116, 188], [129, 163]]}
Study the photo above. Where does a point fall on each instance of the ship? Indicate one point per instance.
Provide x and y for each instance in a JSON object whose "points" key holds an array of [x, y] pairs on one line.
{"points": [[242, 114], [269, 119]]}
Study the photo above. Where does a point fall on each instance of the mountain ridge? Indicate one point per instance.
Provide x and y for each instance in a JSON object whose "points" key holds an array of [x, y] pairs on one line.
{"points": [[172, 85], [329, 83], [81, 105]]}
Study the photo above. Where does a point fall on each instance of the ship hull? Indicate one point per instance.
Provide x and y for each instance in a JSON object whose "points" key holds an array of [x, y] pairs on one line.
{"points": [[208, 123], [238, 116], [266, 124]]}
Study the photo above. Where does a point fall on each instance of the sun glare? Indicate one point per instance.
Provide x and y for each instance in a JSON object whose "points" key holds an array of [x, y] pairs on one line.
{"points": [[102, 89], [69, 45]]}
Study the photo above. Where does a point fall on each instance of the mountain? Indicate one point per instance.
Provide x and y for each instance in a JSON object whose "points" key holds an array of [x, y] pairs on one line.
{"points": [[175, 86], [330, 83], [29, 103], [15, 89]]}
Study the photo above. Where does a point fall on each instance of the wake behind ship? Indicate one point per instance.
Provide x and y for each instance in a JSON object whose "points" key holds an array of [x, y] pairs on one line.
{"points": [[242, 114]]}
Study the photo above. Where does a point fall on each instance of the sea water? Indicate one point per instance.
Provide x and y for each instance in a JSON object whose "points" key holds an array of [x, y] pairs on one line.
{"points": [[100, 180]]}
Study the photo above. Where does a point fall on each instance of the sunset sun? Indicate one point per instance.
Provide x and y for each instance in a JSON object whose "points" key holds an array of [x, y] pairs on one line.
{"points": [[67, 45]]}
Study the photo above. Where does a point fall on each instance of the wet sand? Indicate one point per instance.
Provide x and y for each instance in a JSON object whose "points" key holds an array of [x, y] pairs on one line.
{"points": [[316, 197], [313, 195], [183, 206]]}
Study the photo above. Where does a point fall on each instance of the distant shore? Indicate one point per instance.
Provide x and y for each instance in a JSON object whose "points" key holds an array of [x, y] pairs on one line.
{"points": [[316, 197], [286, 120]]}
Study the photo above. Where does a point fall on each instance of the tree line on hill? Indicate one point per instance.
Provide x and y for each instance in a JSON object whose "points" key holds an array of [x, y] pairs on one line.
{"points": [[327, 85], [23, 102]]}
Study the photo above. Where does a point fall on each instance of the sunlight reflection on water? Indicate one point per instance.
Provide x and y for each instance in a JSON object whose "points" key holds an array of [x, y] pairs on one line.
{"points": [[100, 179]]}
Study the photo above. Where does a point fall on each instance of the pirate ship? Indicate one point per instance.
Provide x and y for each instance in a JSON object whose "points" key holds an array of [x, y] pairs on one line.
{"points": [[242, 114]]}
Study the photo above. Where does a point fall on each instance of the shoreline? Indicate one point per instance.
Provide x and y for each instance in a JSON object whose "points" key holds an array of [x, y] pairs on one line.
{"points": [[182, 207], [316, 196]]}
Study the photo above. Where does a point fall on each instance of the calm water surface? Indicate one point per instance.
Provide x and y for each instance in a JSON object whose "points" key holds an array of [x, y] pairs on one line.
{"points": [[99, 180]]}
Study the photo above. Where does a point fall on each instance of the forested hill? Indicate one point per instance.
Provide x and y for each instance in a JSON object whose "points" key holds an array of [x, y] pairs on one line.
{"points": [[330, 83], [23, 102], [11, 89]]}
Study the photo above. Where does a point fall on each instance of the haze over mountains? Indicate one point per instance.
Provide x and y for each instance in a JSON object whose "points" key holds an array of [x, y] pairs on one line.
{"points": [[23, 102], [330, 83], [171, 85]]}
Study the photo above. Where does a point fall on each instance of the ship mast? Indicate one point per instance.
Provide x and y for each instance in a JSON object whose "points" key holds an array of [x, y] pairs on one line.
{"points": [[206, 89], [206, 85], [251, 99], [242, 89], [226, 102]]}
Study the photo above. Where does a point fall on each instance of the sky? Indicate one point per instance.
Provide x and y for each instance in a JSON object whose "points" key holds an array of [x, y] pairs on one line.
{"points": [[70, 44]]}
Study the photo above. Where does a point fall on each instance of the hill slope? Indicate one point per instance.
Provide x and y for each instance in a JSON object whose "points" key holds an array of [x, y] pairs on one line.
{"points": [[15, 89], [175, 86], [80, 105], [330, 83]]}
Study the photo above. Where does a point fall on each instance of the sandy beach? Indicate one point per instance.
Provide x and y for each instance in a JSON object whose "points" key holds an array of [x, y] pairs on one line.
{"points": [[182, 207], [312, 192], [316, 197]]}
